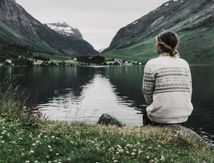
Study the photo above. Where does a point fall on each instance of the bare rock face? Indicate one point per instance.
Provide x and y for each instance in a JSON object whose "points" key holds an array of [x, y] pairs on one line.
{"points": [[107, 120], [15, 17]]}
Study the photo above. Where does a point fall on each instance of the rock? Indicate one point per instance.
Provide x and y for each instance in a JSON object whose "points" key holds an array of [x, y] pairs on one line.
{"points": [[188, 133], [107, 119]]}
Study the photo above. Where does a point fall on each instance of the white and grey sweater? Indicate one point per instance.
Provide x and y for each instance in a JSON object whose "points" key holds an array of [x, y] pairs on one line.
{"points": [[167, 88]]}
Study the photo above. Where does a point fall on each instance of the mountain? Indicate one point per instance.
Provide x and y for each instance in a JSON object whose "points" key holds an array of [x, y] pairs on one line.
{"points": [[193, 20], [20, 34], [65, 29]]}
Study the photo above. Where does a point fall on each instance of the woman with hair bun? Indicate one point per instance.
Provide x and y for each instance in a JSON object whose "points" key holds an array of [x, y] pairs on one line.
{"points": [[167, 84]]}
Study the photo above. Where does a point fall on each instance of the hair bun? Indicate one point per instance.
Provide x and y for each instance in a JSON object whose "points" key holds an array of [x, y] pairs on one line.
{"points": [[174, 53]]}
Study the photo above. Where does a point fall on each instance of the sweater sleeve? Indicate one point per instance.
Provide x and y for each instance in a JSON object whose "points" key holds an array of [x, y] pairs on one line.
{"points": [[148, 84], [190, 81]]}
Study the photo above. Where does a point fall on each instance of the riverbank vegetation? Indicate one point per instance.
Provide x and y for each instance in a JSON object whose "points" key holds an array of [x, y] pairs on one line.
{"points": [[26, 136], [48, 60]]}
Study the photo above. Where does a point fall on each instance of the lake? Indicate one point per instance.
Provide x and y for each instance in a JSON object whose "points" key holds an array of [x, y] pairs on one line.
{"points": [[85, 93]]}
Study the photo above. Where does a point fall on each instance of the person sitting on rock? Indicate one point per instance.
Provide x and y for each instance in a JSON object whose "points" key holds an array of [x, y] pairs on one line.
{"points": [[167, 84]]}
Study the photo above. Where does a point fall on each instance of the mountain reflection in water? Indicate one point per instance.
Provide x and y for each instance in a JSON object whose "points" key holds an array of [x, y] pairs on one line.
{"points": [[97, 97]]}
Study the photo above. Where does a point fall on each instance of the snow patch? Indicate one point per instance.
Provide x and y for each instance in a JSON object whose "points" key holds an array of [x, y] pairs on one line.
{"points": [[63, 29]]}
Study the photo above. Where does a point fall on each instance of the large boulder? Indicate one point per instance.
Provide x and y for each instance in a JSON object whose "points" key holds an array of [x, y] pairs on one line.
{"points": [[188, 133], [107, 119]]}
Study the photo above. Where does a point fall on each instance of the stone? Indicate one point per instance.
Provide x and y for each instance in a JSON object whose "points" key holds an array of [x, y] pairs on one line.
{"points": [[107, 120], [186, 132]]}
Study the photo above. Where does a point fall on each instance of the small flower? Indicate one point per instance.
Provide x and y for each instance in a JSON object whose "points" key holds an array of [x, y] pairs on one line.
{"points": [[71, 142], [118, 146], [31, 152], [140, 151], [49, 146], [57, 154], [13, 142], [129, 145], [132, 153], [27, 161], [162, 158], [34, 144], [120, 150]]}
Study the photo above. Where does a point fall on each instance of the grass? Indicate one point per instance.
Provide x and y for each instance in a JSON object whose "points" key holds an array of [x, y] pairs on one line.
{"points": [[26, 138], [63, 142]]}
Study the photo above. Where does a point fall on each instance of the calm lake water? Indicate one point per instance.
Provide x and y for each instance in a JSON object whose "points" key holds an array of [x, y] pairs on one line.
{"points": [[85, 93]]}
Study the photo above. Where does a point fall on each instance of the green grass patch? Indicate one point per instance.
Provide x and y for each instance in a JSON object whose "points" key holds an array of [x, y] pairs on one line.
{"points": [[63, 142]]}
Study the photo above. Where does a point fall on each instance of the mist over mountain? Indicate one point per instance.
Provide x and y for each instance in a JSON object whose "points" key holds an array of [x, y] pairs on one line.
{"points": [[193, 20], [20, 33]]}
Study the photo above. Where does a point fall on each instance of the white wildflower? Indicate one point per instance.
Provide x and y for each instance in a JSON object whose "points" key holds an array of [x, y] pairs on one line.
{"points": [[162, 158], [31, 152]]}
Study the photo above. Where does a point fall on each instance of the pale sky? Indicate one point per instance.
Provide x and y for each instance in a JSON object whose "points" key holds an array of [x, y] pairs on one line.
{"points": [[97, 20]]}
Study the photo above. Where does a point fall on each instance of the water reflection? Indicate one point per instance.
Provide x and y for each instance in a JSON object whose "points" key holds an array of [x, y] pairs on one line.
{"points": [[97, 97]]}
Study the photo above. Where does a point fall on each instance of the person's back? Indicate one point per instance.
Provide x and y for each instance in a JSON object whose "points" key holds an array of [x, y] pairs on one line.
{"points": [[167, 85]]}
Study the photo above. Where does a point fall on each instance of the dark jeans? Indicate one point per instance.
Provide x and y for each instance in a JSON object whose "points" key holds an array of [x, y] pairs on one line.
{"points": [[147, 121]]}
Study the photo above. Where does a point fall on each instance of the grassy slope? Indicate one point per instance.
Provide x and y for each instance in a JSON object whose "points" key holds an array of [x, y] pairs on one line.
{"points": [[25, 138], [194, 47]]}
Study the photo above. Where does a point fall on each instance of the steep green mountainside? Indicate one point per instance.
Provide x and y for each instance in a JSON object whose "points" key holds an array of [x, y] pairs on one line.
{"points": [[21, 34], [193, 20]]}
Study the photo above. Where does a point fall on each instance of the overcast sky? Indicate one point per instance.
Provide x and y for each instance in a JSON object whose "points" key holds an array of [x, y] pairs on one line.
{"points": [[97, 20]]}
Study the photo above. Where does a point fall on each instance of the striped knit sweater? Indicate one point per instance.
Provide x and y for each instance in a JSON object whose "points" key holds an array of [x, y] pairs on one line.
{"points": [[167, 88]]}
